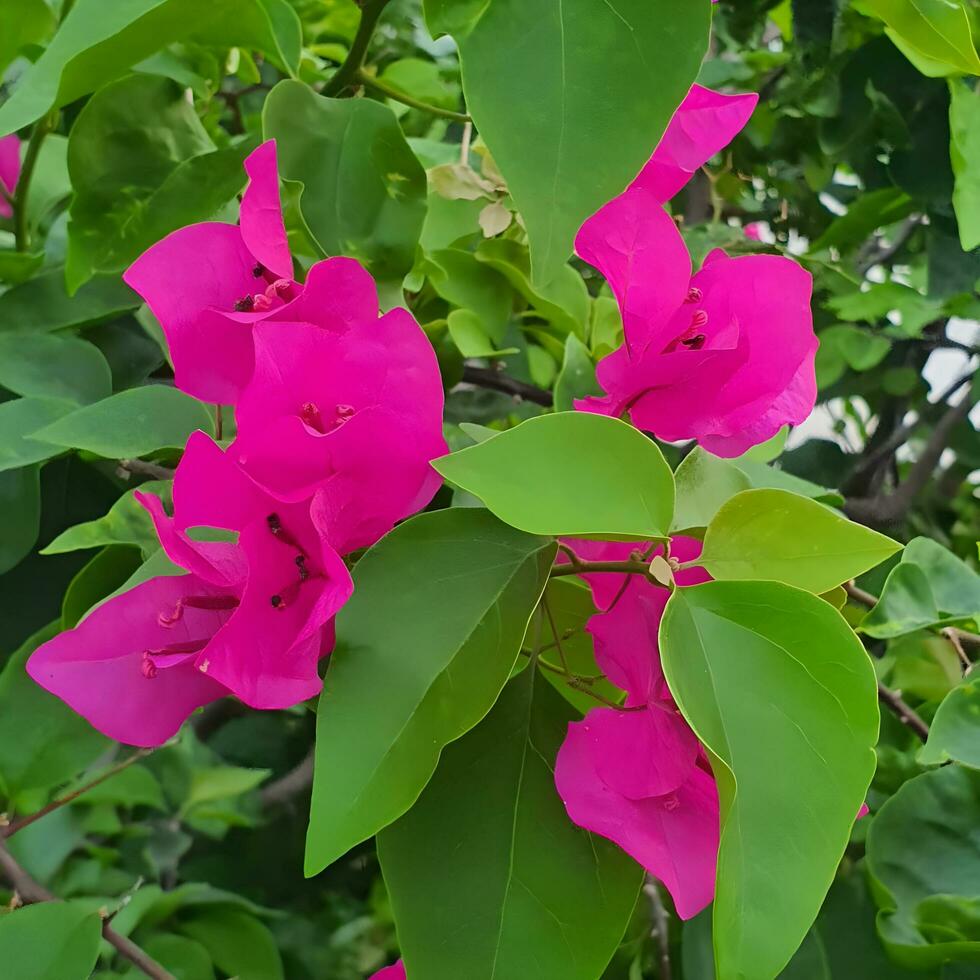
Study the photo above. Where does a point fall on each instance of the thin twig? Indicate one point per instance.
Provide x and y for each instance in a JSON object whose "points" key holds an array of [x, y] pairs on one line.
{"points": [[613, 567], [661, 930], [383, 88], [296, 781], [139, 467], [464, 145], [952, 634], [893, 701], [860, 596], [346, 74], [554, 631], [497, 381], [879, 256], [42, 127], [61, 801]]}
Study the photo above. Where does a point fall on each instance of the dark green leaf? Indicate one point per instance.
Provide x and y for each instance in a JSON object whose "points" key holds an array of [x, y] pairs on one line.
{"points": [[19, 421], [783, 696], [486, 873], [104, 573], [184, 958], [964, 128], [238, 943], [20, 504], [955, 730], [46, 366], [423, 649], [25, 22], [877, 209]]}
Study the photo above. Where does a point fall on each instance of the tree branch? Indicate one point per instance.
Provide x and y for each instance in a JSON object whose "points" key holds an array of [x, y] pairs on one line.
{"points": [[660, 928], [881, 255], [346, 74], [497, 381], [139, 467], [893, 701], [296, 781]]}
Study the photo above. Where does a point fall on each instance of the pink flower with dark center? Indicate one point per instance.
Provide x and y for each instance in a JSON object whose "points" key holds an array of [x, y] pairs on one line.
{"points": [[703, 125], [209, 283], [250, 619], [638, 776], [9, 170], [345, 404], [725, 357]]}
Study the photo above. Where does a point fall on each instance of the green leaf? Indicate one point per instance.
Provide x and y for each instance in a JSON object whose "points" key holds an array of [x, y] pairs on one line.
{"points": [[19, 421], [704, 482], [467, 333], [423, 649], [221, 783], [238, 943], [25, 22], [50, 941], [43, 743], [486, 873], [20, 504], [622, 486], [43, 304], [458, 277], [930, 586], [938, 30], [131, 423], [46, 366], [876, 209], [184, 958], [922, 845], [126, 523], [844, 346], [101, 575], [955, 730], [142, 165], [364, 192], [97, 43], [784, 698], [881, 299], [762, 477], [773, 534], [541, 87], [964, 151], [577, 376], [133, 786]]}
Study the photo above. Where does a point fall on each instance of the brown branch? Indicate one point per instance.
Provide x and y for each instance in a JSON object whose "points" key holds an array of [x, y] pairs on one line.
{"points": [[296, 781], [31, 892], [883, 254], [497, 381], [860, 596], [139, 467], [953, 635], [893, 701], [660, 928]]}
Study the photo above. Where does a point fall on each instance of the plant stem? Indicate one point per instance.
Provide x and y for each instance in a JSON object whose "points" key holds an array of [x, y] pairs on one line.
{"points": [[893, 701], [953, 635], [346, 74], [383, 88], [61, 801], [42, 127], [660, 928], [617, 567]]}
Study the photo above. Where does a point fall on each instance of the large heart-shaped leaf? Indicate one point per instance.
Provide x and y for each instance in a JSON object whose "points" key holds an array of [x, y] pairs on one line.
{"points": [[538, 84], [423, 649], [571, 473], [364, 191], [783, 696], [774, 534], [487, 875]]}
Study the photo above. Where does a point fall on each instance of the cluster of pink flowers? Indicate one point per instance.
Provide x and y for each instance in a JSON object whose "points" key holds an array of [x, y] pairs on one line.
{"points": [[338, 413]]}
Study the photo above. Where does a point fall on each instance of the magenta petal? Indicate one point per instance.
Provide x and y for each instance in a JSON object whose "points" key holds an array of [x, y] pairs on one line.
{"points": [[262, 227], [97, 668], [394, 972], [704, 124], [635, 244], [641, 753], [338, 294], [674, 836], [187, 278], [9, 169]]}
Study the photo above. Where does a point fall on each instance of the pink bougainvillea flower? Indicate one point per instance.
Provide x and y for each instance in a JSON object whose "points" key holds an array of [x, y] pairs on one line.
{"points": [[394, 972], [250, 619], [703, 125], [350, 407], [725, 357], [209, 282], [639, 776], [9, 170]]}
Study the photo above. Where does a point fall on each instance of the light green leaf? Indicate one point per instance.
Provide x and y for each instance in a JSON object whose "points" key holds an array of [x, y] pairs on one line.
{"points": [[126, 523], [458, 277], [872, 210], [930, 586], [577, 376], [780, 536], [923, 858], [364, 191], [487, 874], [539, 86], [50, 941], [25, 22], [239, 944], [875, 303], [783, 696], [132, 786], [131, 423], [622, 485], [43, 743], [221, 783], [938, 30], [955, 730], [423, 649], [964, 151], [762, 477], [19, 421], [184, 958], [142, 165], [466, 330], [20, 504], [46, 366], [704, 482], [98, 42]]}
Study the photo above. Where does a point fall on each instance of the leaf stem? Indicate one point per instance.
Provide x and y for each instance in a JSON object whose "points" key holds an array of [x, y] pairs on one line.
{"points": [[383, 88], [22, 238], [347, 73], [893, 701]]}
